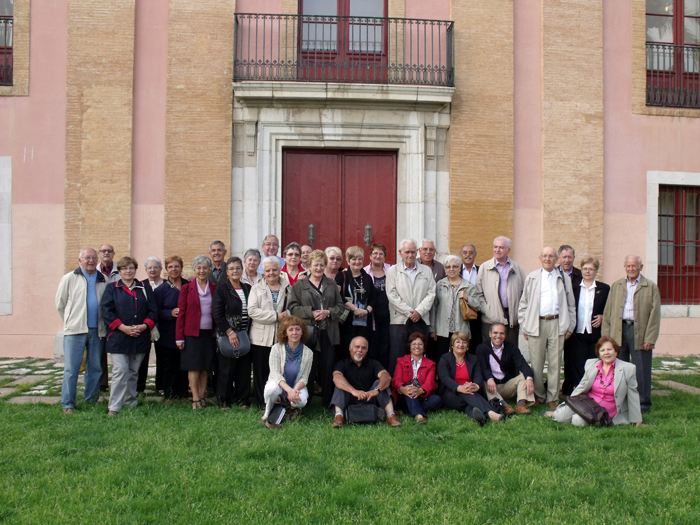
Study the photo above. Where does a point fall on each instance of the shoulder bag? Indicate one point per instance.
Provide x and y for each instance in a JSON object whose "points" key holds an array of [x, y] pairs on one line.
{"points": [[468, 313], [234, 352], [591, 412]]}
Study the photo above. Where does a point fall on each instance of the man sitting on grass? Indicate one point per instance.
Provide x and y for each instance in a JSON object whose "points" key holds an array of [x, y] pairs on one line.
{"points": [[361, 380], [506, 372]]}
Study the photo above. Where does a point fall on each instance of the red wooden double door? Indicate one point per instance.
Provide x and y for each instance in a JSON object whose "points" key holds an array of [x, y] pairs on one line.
{"points": [[338, 197]]}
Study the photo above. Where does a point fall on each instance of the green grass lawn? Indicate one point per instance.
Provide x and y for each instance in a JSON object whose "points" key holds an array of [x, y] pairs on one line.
{"points": [[686, 379], [170, 465]]}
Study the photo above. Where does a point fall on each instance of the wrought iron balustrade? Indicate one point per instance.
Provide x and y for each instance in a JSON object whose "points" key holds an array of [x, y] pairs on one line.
{"points": [[6, 51], [673, 75], [343, 49]]}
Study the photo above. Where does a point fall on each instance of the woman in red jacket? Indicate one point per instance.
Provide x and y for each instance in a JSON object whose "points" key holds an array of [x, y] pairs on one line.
{"points": [[194, 330], [414, 380]]}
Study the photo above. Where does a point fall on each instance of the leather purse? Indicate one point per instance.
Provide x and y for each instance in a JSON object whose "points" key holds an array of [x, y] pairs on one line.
{"points": [[234, 352], [468, 313], [364, 413], [313, 337], [589, 410]]}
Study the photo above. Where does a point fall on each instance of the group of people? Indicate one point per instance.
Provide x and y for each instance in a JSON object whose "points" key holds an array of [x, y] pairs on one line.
{"points": [[411, 346]]}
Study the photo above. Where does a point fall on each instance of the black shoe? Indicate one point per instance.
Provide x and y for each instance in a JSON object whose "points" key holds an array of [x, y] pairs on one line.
{"points": [[479, 416]]}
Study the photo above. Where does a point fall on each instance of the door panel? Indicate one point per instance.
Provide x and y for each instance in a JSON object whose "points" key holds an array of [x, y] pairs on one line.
{"points": [[340, 192]]}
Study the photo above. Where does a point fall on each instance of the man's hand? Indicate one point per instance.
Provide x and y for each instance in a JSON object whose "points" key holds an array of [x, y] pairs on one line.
{"points": [[491, 386], [175, 312], [529, 386], [568, 334], [371, 394], [648, 347], [361, 395], [525, 336], [433, 336], [415, 316]]}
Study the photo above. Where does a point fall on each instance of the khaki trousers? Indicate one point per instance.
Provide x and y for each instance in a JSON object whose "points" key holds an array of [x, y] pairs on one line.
{"points": [[549, 345], [513, 388]]}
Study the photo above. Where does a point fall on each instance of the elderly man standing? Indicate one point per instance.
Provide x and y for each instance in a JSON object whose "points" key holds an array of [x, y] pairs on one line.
{"points": [[633, 316], [427, 258], [361, 380], [217, 252], [410, 288], [499, 286], [109, 270], [270, 246], [547, 316], [78, 303], [567, 255], [470, 272]]}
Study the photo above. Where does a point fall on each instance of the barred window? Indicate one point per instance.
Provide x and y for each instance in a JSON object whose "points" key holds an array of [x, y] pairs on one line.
{"points": [[6, 24]]}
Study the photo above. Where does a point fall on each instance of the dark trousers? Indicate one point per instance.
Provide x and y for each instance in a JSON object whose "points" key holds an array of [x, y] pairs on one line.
{"points": [[438, 348], [143, 373], [343, 399], [233, 380], [465, 402], [421, 405], [577, 350], [642, 360], [398, 334], [104, 378], [323, 365], [475, 329], [379, 346], [174, 380], [261, 371]]}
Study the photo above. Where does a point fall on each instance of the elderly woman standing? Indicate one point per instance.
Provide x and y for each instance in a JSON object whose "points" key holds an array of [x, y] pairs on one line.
{"points": [[334, 258], [376, 269], [154, 269], [129, 311], [290, 366], [267, 307], [194, 329], [231, 316], [168, 355], [251, 261], [317, 301], [446, 314], [357, 289], [292, 263]]}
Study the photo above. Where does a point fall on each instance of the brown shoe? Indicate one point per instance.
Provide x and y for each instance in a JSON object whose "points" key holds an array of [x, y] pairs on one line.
{"points": [[553, 405], [522, 409], [69, 411], [508, 410], [273, 426], [338, 421], [112, 413], [421, 420], [393, 421]]}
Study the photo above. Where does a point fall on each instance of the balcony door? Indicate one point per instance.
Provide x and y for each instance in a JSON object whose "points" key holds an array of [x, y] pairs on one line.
{"points": [[339, 198], [343, 41]]}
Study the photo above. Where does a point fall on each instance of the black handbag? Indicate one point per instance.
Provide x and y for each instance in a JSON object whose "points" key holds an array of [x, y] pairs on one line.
{"points": [[589, 410], [364, 413], [235, 352], [313, 337]]}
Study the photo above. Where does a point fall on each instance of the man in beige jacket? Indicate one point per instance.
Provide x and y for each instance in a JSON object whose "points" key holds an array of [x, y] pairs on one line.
{"points": [[632, 317], [499, 285], [547, 316], [410, 288]]}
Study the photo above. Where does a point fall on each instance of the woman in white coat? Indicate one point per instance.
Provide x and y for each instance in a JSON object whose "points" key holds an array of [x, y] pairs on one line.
{"points": [[267, 307], [290, 366], [611, 382]]}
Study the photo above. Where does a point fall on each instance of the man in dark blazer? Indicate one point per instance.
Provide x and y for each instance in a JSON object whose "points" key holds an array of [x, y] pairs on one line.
{"points": [[506, 372], [469, 271], [567, 256]]}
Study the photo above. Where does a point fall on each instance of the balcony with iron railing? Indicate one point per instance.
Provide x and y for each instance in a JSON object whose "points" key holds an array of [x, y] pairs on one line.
{"points": [[6, 24], [673, 75], [343, 49]]}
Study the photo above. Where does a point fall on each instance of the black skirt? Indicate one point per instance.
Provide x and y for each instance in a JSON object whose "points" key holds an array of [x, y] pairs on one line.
{"points": [[199, 351]]}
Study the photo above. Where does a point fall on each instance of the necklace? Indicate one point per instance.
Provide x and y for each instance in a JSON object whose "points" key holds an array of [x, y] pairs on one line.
{"points": [[602, 382], [358, 286]]}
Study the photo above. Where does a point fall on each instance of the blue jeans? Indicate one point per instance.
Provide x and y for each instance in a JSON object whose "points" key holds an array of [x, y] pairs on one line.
{"points": [[422, 405], [74, 346]]}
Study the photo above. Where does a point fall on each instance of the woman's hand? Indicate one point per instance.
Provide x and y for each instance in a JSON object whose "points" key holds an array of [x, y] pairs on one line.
{"points": [[468, 388], [181, 346], [460, 294], [294, 396], [360, 312], [320, 315], [282, 315], [233, 339], [175, 312]]}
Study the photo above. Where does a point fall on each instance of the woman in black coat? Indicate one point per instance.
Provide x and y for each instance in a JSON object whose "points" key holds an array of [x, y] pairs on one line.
{"points": [[590, 298], [230, 312], [461, 380], [130, 313]]}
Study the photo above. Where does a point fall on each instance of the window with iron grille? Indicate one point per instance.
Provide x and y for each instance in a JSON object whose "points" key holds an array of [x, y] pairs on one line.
{"points": [[6, 24], [673, 53], [679, 244]]}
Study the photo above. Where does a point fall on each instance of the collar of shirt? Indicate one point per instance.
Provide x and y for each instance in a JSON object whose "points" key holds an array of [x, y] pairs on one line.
{"points": [[498, 351], [629, 283], [591, 287], [416, 366], [553, 273], [507, 263]]}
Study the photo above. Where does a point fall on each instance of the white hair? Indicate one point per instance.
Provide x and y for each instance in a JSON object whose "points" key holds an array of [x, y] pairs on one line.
{"points": [[504, 239], [333, 249], [271, 259], [453, 258], [411, 241], [154, 259], [427, 240], [639, 259], [202, 259]]}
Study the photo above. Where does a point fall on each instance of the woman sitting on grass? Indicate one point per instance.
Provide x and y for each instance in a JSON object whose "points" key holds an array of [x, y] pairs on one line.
{"points": [[609, 381], [290, 365]]}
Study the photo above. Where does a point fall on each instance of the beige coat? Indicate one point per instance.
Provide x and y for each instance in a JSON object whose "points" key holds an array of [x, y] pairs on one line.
{"points": [[647, 312], [529, 308], [403, 297], [626, 395], [278, 356], [442, 307], [263, 329], [487, 283], [71, 303]]}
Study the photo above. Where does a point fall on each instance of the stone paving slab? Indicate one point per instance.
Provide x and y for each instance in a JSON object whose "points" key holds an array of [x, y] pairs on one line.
{"points": [[7, 391], [29, 380], [675, 372], [681, 386], [17, 371], [33, 400], [662, 393]]}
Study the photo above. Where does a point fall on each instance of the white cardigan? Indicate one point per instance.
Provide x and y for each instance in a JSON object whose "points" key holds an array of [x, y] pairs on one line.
{"points": [[263, 328], [278, 356]]}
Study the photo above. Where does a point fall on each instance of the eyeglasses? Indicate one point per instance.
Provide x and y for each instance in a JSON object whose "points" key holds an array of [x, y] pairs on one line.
{"points": [[468, 253], [91, 258], [335, 258], [106, 251], [271, 244]]}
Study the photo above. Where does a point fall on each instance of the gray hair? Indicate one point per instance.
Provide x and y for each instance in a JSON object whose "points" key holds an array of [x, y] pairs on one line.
{"points": [[469, 244], [427, 240], [566, 247], [291, 246], [333, 249], [270, 235], [639, 259], [250, 252], [154, 259], [412, 241], [202, 259], [217, 242], [453, 258], [503, 238], [271, 259], [84, 248]]}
